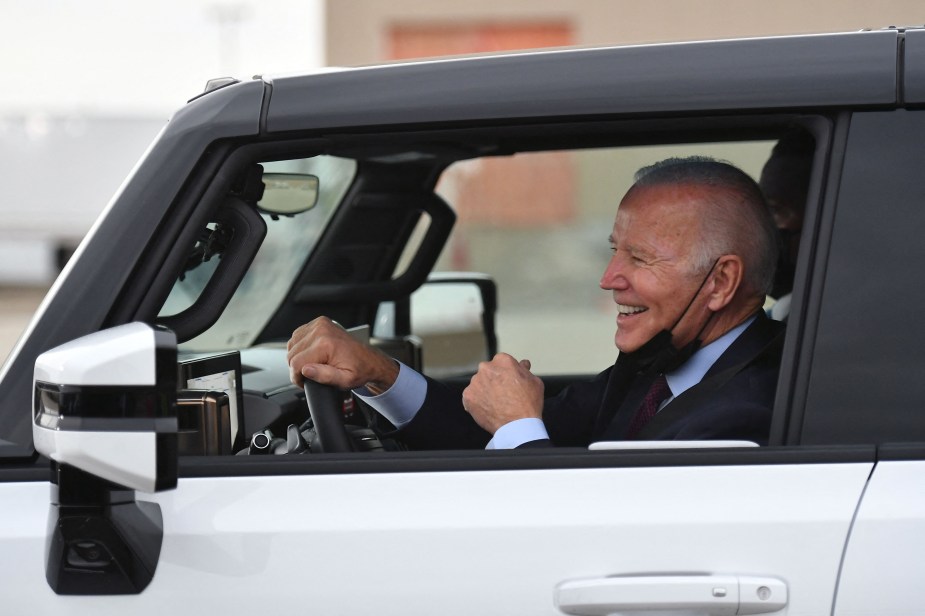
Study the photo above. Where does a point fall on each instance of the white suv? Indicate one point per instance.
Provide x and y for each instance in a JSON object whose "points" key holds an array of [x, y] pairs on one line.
{"points": [[151, 390]]}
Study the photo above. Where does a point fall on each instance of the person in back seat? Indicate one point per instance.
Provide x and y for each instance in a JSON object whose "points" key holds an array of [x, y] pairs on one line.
{"points": [[694, 250], [785, 183]]}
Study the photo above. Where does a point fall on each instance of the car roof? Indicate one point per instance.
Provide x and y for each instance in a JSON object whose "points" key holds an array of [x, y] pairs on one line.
{"points": [[796, 72]]}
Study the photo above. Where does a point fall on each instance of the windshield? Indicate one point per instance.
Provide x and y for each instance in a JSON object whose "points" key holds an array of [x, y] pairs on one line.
{"points": [[289, 242]]}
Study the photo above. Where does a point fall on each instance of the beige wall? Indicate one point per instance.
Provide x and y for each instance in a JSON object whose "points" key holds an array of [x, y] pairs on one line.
{"points": [[357, 30]]}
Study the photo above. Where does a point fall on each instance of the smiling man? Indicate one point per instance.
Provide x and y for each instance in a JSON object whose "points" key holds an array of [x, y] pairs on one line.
{"points": [[694, 249]]}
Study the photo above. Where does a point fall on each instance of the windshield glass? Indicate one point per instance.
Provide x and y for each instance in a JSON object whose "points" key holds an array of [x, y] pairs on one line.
{"points": [[289, 242]]}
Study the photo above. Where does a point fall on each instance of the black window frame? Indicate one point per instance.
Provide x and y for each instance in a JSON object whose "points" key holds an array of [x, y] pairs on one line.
{"points": [[865, 342], [785, 448]]}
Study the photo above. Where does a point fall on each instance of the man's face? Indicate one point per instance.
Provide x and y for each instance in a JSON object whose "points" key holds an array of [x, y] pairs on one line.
{"points": [[650, 273]]}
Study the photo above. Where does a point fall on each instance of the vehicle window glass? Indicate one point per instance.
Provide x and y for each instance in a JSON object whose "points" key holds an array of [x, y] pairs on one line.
{"points": [[289, 242], [539, 223]]}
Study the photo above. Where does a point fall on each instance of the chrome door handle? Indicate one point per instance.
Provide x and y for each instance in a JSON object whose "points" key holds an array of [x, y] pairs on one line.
{"points": [[647, 595]]}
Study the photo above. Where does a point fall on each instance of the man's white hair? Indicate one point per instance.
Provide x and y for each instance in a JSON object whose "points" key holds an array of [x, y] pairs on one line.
{"points": [[736, 219]]}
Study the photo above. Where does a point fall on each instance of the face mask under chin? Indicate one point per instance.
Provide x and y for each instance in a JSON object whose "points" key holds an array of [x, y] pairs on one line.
{"points": [[659, 355]]}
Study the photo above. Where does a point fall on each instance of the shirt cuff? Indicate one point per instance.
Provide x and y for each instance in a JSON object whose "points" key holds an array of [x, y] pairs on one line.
{"points": [[400, 402], [515, 433]]}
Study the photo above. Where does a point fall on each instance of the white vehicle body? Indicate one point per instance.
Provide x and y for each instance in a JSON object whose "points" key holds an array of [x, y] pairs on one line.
{"points": [[112, 506]]}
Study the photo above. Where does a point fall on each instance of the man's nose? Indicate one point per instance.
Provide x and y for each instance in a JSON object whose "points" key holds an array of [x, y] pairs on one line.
{"points": [[614, 275]]}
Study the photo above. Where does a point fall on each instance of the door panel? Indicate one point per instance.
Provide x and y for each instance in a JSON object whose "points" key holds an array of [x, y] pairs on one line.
{"points": [[22, 547], [882, 573], [486, 542]]}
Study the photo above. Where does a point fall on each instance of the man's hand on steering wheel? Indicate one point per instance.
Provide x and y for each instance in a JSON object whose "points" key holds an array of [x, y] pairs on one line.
{"points": [[324, 358], [324, 352]]}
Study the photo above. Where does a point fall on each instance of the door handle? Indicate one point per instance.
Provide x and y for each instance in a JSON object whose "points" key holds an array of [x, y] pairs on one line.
{"points": [[648, 595]]}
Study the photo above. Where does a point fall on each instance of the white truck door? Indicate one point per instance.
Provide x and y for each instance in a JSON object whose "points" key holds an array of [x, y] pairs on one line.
{"points": [[749, 537], [883, 569]]}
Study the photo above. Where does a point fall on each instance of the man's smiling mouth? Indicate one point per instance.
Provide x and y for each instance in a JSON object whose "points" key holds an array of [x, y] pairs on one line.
{"points": [[624, 309]]}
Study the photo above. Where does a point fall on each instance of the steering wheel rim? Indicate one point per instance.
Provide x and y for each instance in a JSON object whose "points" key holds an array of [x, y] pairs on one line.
{"points": [[325, 405]]}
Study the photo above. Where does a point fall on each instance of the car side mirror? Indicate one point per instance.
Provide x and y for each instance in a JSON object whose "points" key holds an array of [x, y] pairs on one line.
{"points": [[106, 404], [453, 316], [105, 413]]}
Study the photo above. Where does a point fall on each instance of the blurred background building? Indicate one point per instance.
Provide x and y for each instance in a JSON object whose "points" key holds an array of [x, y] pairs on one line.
{"points": [[87, 85]]}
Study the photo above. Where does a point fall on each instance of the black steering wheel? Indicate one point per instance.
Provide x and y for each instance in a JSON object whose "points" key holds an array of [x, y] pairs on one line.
{"points": [[325, 405]]}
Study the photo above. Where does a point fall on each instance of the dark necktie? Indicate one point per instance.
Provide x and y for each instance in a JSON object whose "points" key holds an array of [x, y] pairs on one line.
{"points": [[658, 391]]}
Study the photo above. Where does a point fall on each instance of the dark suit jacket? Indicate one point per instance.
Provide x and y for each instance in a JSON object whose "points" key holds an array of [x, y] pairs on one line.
{"points": [[733, 401]]}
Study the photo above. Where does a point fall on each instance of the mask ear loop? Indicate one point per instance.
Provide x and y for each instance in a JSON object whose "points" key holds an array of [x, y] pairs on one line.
{"points": [[691, 303]]}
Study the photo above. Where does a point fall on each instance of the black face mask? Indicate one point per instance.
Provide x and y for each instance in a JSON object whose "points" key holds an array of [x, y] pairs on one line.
{"points": [[659, 355]]}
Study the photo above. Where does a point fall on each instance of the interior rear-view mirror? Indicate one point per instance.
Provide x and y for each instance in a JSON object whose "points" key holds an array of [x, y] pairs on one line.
{"points": [[287, 194]]}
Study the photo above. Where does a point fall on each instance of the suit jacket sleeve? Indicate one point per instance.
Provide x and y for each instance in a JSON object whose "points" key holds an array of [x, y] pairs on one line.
{"points": [[442, 423]]}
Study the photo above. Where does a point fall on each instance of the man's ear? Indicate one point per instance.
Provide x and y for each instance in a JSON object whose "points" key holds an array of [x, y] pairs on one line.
{"points": [[727, 278]]}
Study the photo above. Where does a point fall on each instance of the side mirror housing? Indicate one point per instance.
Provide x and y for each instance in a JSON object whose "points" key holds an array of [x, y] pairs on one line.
{"points": [[106, 404], [105, 413]]}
